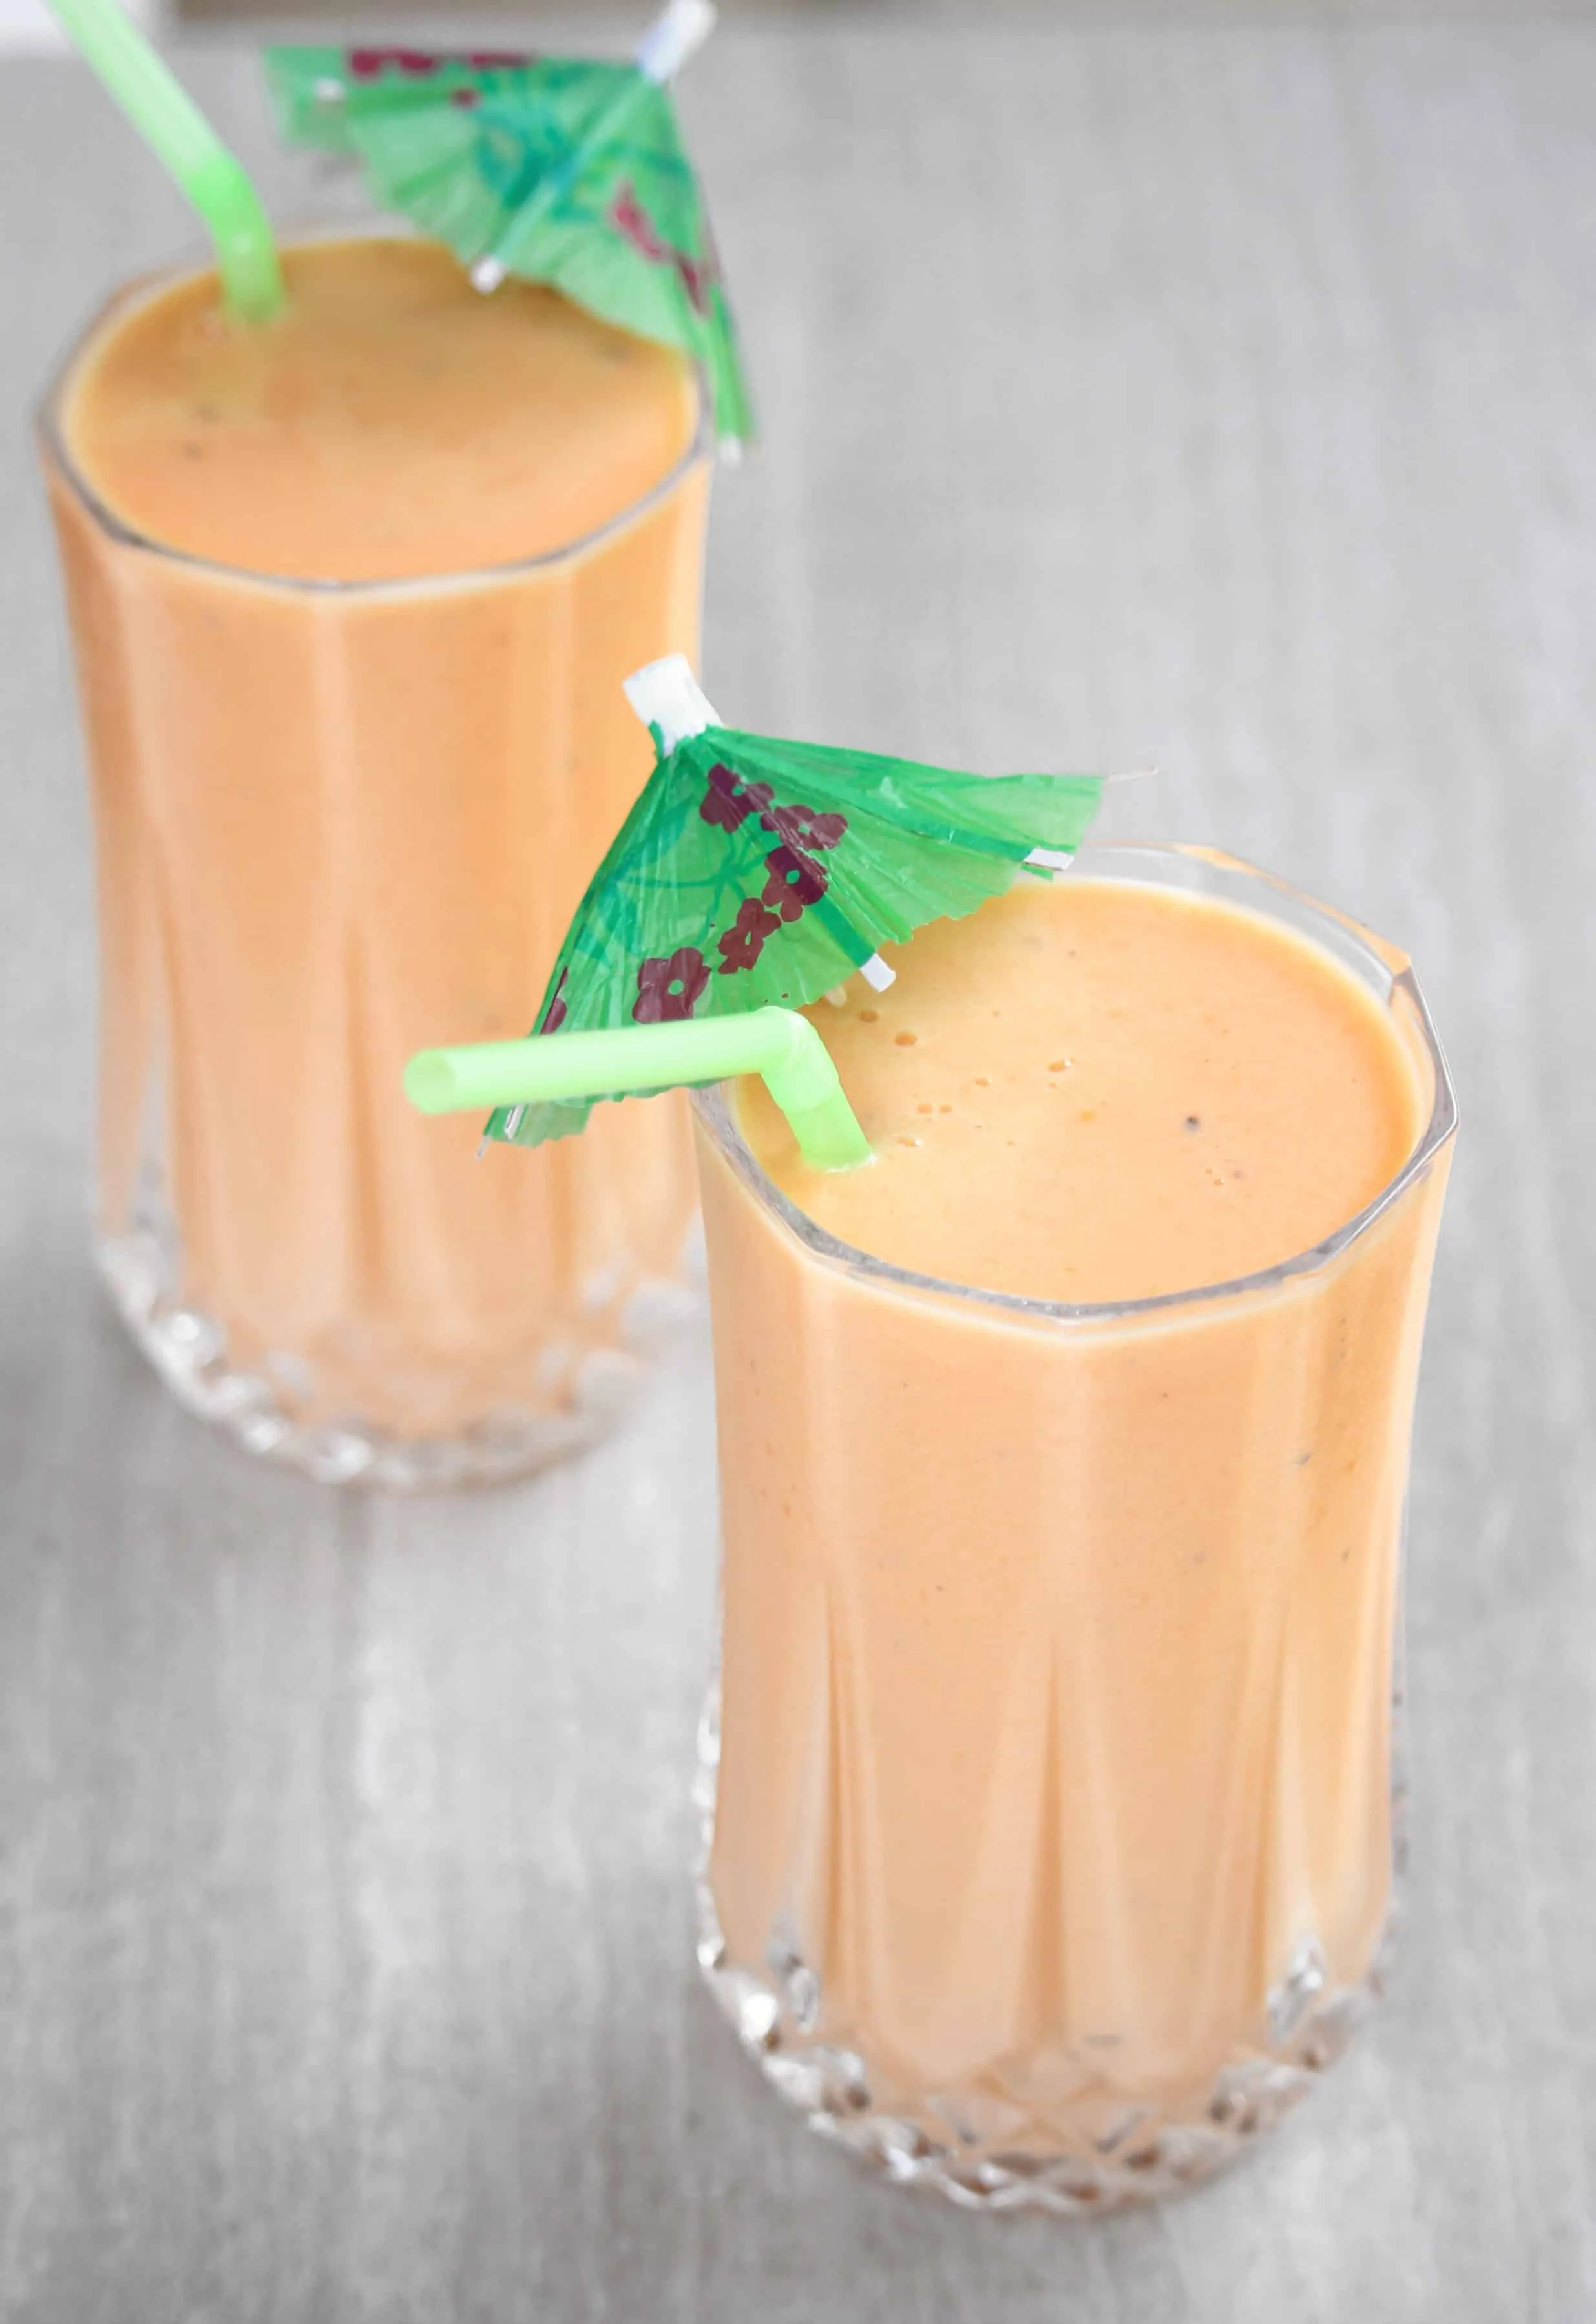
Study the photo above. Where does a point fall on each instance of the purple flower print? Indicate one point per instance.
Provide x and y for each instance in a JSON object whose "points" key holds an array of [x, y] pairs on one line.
{"points": [[669, 989], [744, 940], [554, 1016], [795, 882]]}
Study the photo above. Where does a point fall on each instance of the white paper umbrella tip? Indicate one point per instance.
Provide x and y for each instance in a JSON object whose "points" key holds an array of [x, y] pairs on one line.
{"points": [[666, 695], [677, 32]]}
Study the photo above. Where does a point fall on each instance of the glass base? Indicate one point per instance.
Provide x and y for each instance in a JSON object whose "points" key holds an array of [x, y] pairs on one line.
{"points": [[988, 2148], [188, 1349]]}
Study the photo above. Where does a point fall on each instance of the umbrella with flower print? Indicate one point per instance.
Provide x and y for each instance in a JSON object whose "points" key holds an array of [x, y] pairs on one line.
{"points": [[569, 171], [754, 871]]}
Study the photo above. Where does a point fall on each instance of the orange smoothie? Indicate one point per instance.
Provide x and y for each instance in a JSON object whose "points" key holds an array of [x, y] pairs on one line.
{"points": [[353, 596], [1063, 1450]]}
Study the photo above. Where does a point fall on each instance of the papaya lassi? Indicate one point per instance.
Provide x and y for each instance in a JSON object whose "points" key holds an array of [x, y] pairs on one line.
{"points": [[1063, 1450], [353, 595]]}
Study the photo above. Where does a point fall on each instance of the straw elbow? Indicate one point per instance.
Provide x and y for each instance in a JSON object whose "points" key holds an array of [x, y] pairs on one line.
{"points": [[247, 254], [802, 1062], [805, 1083]]}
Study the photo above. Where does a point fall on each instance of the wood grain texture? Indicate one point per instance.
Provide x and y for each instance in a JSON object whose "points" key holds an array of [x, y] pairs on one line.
{"points": [[1220, 397]]}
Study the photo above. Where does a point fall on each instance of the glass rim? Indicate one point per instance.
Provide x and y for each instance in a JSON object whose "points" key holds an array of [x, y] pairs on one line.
{"points": [[1344, 939], [700, 450]]}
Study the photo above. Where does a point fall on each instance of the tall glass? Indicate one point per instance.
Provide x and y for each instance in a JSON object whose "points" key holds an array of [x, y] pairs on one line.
{"points": [[1049, 1792], [335, 821]]}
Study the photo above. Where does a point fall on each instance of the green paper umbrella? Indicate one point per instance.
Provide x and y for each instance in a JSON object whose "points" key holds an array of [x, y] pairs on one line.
{"points": [[563, 170], [753, 871]]}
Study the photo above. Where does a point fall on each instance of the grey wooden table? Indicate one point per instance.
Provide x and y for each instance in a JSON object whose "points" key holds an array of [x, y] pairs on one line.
{"points": [[1225, 398]]}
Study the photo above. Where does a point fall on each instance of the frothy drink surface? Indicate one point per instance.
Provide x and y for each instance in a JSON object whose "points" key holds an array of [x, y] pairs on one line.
{"points": [[392, 422], [1099, 1092]]}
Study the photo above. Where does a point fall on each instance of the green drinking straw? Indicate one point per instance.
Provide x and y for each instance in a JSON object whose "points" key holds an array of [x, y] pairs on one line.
{"points": [[777, 1043], [170, 122]]}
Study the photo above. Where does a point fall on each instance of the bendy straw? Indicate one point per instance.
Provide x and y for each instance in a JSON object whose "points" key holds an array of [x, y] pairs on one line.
{"points": [[777, 1043], [179, 137]]}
